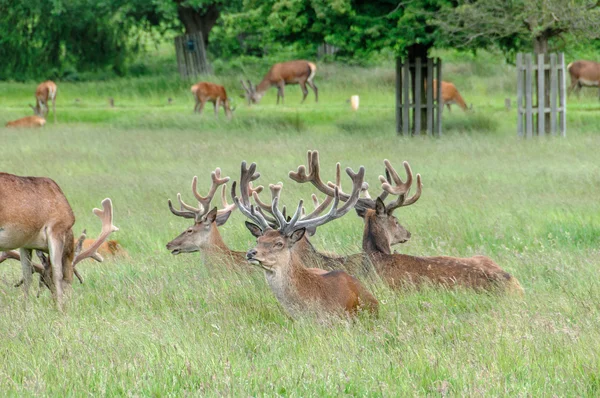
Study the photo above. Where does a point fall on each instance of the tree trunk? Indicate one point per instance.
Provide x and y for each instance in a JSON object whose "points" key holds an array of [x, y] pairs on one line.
{"points": [[540, 46], [195, 20], [418, 51]]}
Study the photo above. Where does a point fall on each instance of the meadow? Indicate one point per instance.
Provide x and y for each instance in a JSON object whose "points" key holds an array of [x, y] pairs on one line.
{"points": [[162, 325]]}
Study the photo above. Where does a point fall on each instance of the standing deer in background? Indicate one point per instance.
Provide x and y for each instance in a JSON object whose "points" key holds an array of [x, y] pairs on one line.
{"points": [[27, 122], [450, 95], [292, 72], [83, 249], [35, 215], [204, 235], [584, 73], [209, 92], [45, 91], [382, 230], [302, 290]]}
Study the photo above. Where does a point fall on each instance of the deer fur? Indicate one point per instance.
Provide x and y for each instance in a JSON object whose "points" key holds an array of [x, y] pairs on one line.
{"points": [[382, 230], [292, 72], [300, 290], [583, 73], [450, 95], [27, 122], [209, 92], [45, 92]]}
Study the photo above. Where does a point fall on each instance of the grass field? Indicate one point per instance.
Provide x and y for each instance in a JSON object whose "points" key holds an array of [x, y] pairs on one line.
{"points": [[159, 325]]}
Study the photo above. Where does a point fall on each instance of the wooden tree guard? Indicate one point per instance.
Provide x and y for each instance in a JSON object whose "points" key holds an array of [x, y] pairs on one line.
{"points": [[417, 111], [551, 101], [191, 55]]}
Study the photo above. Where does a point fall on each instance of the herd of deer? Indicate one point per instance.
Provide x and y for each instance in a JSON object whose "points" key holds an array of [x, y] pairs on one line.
{"points": [[304, 280], [583, 73]]}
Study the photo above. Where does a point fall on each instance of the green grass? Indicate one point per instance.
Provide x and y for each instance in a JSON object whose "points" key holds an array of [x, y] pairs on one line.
{"points": [[161, 325]]}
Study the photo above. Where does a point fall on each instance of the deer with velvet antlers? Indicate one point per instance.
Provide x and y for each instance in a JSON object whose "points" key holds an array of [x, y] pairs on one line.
{"points": [[204, 235], [35, 215], [301, 290], [291, 72]]}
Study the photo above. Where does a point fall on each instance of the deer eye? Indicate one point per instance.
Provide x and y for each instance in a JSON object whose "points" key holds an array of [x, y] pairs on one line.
{"points": [[189, 231], [279, 244]]}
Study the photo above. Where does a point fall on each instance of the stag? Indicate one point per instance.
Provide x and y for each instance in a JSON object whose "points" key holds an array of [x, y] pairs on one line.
{"points": [[301, 290], [291, 72], [35, 215]]}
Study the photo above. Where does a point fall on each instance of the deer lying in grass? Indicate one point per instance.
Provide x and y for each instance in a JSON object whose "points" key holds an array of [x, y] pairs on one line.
{"points": [[209, 92], [204, 235], [45, 92], [27, 122], [382, 230], [35, 215], [301, 290], [291, 72]]}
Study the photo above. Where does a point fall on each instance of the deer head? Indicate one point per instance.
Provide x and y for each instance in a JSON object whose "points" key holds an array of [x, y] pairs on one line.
{"points": [[251, 95]]}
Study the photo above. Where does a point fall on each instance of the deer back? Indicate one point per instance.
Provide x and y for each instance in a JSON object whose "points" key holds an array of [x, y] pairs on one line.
{"points": [[28, 121], [587, 72]]}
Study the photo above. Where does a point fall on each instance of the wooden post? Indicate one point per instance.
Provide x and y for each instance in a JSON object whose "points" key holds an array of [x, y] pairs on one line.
{"points": [[399, 104], [429, 95], [520, 94], [562, 94], [553, 93], [541, 95], [406, 101], [418, 90], [440, 102], [528, 95]]}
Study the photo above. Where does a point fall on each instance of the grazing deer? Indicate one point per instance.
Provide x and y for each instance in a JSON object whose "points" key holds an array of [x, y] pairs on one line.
{"points": [[27, 122], [302, 290], [35, 215], [209, 92], [450, 95], [204, 235], [45, 91], [382, 230], [584, 73], [291, 72]]}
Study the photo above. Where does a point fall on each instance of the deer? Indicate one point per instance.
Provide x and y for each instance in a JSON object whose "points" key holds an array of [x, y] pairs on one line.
{"points": [[45, 92], [299, 289], [204, 235], [209, 92], [27, 122], [584, 73], [35, 215], [292, 72], [450, 95]]}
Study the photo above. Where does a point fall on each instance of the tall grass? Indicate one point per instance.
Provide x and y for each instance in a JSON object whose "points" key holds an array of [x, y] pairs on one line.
{"points": [[161, 325]]}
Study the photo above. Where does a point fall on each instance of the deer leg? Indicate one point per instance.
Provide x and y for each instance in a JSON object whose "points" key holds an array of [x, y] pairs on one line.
{"points": [[56, 248], [201, 107], [54, 108], [314, 88], [304, 91], [280, 86], [27, 270], [196, 105], [448, 105], [217, 104]]}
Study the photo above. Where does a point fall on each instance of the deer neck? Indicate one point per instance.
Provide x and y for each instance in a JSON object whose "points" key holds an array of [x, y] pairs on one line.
{"points": [[215, 242], [264, 85], [375, 239], [286, 283]]}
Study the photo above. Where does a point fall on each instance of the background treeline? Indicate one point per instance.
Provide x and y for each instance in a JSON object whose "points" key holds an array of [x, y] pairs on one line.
{"points": [[89, 39]]}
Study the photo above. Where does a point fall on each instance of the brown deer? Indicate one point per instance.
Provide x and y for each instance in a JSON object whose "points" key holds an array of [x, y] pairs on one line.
{"points": [[382, 230], [291, 72], [35, 215], [302, 290], [110, 248], [45, 92], [583, 73], [209, 92], [450, 95], [27, 122], [204, 235]]}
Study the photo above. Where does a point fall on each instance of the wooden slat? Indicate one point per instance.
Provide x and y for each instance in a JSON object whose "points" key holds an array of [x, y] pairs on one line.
{"points": [[562, 85], [520, 94], [440, 103], [406, 99], [398, 96], [541, 95], [418, 90], [553, 93], [429, 93], [528, 96]]}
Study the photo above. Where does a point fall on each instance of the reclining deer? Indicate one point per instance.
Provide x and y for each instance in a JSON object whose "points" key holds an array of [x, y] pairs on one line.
{"points": [[382, 231], [301, 290], [35, 215]]}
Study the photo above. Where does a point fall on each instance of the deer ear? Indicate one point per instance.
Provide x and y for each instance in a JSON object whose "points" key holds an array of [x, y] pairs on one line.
{"points": [[254, 229], [222, 218], [211, 216], [380, 208], [297, 235], [361, 211]]}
